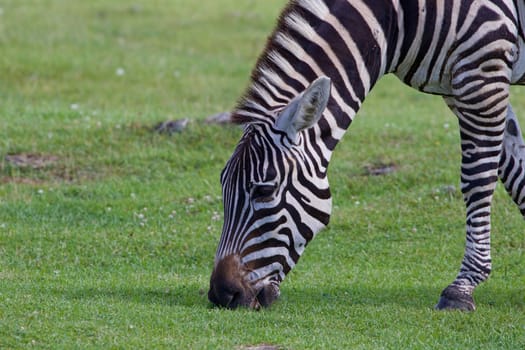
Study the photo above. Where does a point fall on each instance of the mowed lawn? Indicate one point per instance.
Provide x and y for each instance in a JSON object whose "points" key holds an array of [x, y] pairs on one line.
{"points": [[108, 230]]}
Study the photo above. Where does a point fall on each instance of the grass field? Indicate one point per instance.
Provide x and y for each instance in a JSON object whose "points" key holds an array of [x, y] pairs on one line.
{"points": [[108, 242]]}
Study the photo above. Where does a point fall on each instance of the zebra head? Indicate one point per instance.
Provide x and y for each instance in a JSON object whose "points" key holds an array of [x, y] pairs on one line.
{"points": [[276, 198]]}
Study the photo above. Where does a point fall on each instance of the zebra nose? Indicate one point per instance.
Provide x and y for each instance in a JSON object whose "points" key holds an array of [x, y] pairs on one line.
{"points": [[232, 299], [228, 287], [225, 297], [225, 293]]}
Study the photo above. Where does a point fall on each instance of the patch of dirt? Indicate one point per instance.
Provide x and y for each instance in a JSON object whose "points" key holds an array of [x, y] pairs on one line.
{"points": [[20, 180], [380, 169], [260, 347], [31, 160], [38, 168]]}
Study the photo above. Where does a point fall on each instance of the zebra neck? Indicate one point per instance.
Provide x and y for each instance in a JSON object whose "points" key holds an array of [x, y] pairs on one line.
{"points": [[349, 44]]}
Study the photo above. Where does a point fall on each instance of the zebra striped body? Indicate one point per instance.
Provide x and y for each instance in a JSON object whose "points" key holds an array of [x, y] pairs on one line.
{"points": [[275, 188]]}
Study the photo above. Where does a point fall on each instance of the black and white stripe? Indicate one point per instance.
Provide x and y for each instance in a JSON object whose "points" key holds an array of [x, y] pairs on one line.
{"points": [[276, 194]]}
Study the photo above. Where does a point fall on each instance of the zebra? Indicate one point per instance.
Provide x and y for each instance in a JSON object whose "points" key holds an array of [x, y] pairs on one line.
{"points": [[320, 62]]}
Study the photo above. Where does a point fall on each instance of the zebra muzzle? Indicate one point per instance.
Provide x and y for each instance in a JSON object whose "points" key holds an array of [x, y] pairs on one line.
{"points": [[230, 288]]}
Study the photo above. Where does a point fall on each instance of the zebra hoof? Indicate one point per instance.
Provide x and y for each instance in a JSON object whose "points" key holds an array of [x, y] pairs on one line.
{"points": [[454, 299]]}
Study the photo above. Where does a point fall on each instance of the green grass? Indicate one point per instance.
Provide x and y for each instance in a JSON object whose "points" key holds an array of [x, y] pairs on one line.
{"points": [[112, 245]]}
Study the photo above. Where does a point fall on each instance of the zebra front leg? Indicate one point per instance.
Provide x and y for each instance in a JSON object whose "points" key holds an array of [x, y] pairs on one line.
{"points": [[481, 139], [512, 162]]}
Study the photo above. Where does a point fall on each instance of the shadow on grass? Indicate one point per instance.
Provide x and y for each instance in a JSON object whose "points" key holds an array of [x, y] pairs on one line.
{"points": [[412, 297], [183, 295], [365, 295]]}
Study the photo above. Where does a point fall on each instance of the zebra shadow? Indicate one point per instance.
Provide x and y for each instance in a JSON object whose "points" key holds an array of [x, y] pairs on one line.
{"points": [[411, 297], [193, 295], [186, 295]]}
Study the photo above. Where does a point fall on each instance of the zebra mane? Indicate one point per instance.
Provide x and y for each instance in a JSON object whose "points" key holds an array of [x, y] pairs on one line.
{"points": [[266, 92]]}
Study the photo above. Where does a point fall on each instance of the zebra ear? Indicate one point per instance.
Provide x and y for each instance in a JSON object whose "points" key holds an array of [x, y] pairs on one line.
{"points": [[306, 109]]}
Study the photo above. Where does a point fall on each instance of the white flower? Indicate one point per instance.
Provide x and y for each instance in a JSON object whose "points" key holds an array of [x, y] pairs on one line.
{"points": [[74, 106], [120, 71]]}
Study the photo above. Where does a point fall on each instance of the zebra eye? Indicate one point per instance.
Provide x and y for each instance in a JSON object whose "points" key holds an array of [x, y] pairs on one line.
{"points": [[263, 192]]}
